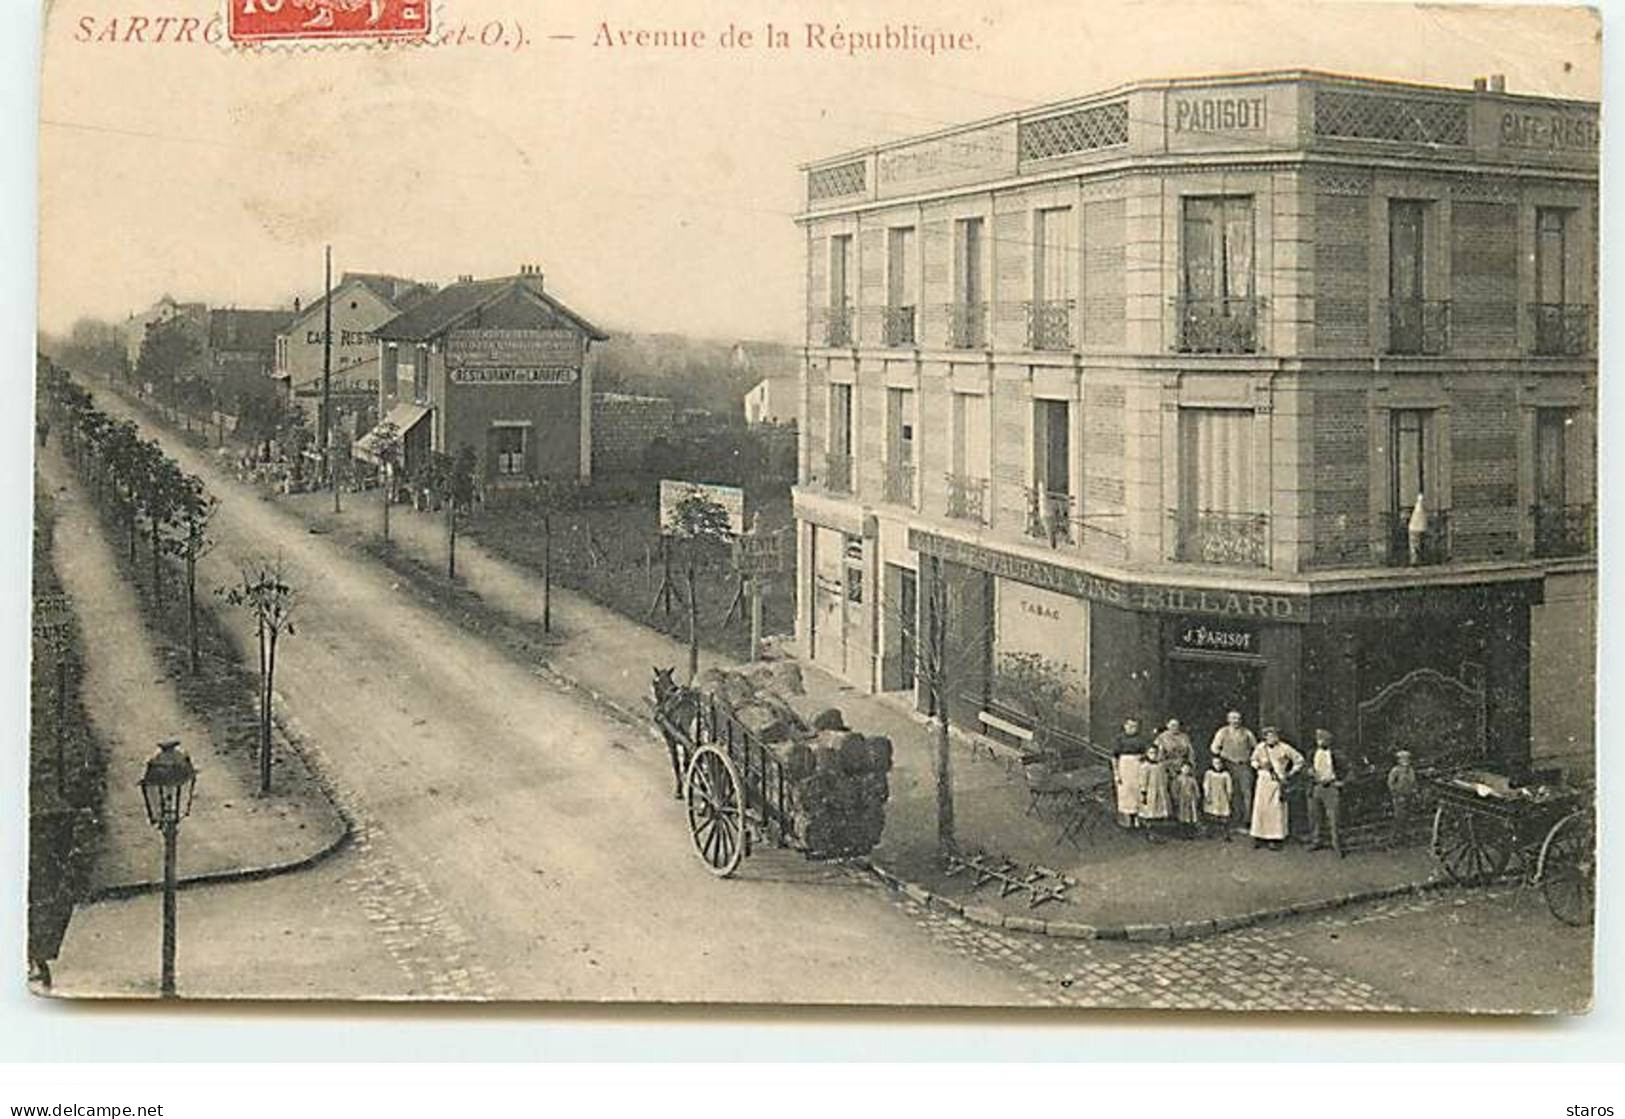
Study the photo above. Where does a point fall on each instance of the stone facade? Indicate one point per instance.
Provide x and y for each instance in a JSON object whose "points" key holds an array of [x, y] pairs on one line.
{"points": [[1215, 334]]}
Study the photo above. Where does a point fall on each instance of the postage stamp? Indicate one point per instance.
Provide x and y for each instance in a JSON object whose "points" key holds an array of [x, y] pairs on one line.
{"points": [[251, 21]]}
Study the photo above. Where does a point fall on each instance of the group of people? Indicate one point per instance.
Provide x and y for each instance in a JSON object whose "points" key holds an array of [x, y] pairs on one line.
{"points": [[1242, 785]]}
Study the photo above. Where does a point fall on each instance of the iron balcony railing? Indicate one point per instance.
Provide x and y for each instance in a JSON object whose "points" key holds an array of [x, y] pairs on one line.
{"points": [[1428, 547], [1049, 324], [900, 483], [1049, 516], [1563, 530], [1418, 326], [899, 326], [837, 476], [967, 498], [1561, 329], [1219, 326], [967, 326], [1222, 539], [838, 326]]}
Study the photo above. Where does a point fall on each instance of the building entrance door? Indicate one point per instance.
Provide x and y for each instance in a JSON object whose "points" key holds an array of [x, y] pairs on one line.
{"points": [[1202, 689], [908, 606]]}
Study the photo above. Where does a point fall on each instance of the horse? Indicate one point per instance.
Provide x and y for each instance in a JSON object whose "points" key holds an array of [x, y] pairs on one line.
{"points": [[676, 709]]}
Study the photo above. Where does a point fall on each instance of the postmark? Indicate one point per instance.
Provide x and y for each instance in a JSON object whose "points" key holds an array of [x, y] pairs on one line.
{"points": [[294, 21]]}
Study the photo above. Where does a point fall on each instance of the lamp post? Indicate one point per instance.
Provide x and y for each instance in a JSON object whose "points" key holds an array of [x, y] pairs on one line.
{"points": [[166, 787]]}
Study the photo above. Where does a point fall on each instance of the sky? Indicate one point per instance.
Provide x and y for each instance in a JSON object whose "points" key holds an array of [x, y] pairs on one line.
{"points": [[655, 187]]}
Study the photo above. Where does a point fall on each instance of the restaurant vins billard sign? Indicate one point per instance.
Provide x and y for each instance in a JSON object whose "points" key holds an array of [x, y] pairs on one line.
{"points": [[499, 357]]}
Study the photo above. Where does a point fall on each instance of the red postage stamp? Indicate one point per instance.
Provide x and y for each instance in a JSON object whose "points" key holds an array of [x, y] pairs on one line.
{"points": [[251, 21]]}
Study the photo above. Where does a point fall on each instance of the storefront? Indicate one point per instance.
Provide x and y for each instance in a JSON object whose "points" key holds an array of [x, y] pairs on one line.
{"points": [[1440, 669]]}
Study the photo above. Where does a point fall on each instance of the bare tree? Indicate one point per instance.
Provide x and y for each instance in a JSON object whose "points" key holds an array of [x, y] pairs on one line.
{"points": [[700, 523], [388, 450], [266, 592], [195, 507]]}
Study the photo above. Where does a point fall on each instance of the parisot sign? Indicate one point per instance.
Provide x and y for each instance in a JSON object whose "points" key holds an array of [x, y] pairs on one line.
{"points": [[1218, 114]]}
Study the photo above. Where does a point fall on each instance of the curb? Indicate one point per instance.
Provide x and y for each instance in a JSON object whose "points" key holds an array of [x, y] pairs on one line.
{"points": [[253, 873], [1162, 932]]}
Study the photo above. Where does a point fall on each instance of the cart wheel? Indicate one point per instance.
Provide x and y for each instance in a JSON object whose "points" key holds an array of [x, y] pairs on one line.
{"points": [[716, 810], [1471, 849], [1567, 870]]}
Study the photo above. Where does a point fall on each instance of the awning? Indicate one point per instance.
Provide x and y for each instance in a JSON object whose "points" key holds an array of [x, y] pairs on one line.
{"points": [[404, 416]]}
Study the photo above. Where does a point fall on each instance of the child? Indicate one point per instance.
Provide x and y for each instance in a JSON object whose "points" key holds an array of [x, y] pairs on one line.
{"points": [[1402, 792], [1187, 801], [1217, 794], [1154, 806]]}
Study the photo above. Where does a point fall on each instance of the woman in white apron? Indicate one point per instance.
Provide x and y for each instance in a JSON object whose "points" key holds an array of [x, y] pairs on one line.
{"points": [[1128, 752], [1274, 762]]}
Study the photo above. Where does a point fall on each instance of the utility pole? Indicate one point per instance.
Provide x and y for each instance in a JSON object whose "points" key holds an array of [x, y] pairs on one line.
{"points": [[324, 428]]}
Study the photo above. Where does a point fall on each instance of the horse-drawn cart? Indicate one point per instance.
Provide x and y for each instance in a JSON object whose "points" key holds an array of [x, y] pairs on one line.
{"points": [[1483, 824], [818, 790]]}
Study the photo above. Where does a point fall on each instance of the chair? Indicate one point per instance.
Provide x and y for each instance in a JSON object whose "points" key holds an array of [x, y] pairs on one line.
{"points": [[1046, 784]]}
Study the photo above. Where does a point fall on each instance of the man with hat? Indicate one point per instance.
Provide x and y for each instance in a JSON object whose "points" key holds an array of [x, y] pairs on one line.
{"points": [[1325, 792]]}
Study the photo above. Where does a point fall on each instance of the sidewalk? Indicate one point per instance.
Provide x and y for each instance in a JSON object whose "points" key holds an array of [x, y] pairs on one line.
{"points": [[130, 693], [1126, 885]]}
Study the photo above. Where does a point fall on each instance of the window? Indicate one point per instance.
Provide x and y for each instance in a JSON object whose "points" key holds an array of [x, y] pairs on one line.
{"points": [[1051, 316], [967, 481], [1050, 503], [900, 304], [508, 444], [1561, 328], [1413, 469], [900, 421], [838, 457], [967, 317], [838, 326], [1219, 519], [1218, 309], [1416, 325], [1562, 513]]}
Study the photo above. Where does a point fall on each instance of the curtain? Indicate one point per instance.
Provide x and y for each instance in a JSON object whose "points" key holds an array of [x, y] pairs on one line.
{"points": [[1054, 264], [1218, 461]]}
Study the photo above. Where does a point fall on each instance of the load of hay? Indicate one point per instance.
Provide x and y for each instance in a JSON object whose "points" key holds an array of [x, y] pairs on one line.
{"points": [[836, 781]]}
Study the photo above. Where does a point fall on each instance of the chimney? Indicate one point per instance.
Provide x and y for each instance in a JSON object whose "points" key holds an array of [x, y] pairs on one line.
{"points": [[531, 274], [296, 304], [468, 279], [1498, 83], [1480, 85]]}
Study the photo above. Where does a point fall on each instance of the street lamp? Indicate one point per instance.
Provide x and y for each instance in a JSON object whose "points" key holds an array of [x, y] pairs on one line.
{"points": [[166, 787]]}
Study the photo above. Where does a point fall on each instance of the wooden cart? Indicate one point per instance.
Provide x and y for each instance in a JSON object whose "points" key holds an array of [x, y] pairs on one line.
{"points": [[1483, 825], [733, 788]]}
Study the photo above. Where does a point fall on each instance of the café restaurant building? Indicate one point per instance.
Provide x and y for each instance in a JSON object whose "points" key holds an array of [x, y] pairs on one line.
{"points": [[496, 365], [1268, 391]]}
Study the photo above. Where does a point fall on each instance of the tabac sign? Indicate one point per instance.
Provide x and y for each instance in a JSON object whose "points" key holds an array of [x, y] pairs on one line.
{"points": [[512, 356]]}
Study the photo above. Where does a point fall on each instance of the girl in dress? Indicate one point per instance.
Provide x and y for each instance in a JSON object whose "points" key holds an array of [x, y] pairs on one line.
{"points": [[1187, 801], [1216, 797], [1154, 804]]}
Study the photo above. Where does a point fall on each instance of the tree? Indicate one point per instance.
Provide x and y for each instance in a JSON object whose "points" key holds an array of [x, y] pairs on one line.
{"points": [[547, 496], [388, 448], [195, 508], [700, 523], [459, 481], [168, 353], [162, 488], [266, 592]]}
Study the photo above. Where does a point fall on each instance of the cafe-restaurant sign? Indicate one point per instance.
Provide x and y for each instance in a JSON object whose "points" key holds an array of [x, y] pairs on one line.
{"points": [[508, 356]]}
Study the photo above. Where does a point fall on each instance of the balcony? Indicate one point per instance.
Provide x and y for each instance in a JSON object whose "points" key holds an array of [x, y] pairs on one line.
{"points": [[899, 326], [900, 483], [967, 498], [1418, 326], [1563, 530], [1222, 539], [967, 326], [1431, 546], [837, 475], [837, 326], [1219, 326], [1049, 516], [1561, 329], [1049, 324]]}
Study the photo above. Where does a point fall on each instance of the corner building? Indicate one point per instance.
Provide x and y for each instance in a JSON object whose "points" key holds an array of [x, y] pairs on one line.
{"points": [[1154, 382]]}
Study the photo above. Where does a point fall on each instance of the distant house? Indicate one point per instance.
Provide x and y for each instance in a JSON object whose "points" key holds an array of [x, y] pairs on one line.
{"points": [[774, 400], [497, 365], [242, 342], [195, 316], [362, 302]]}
